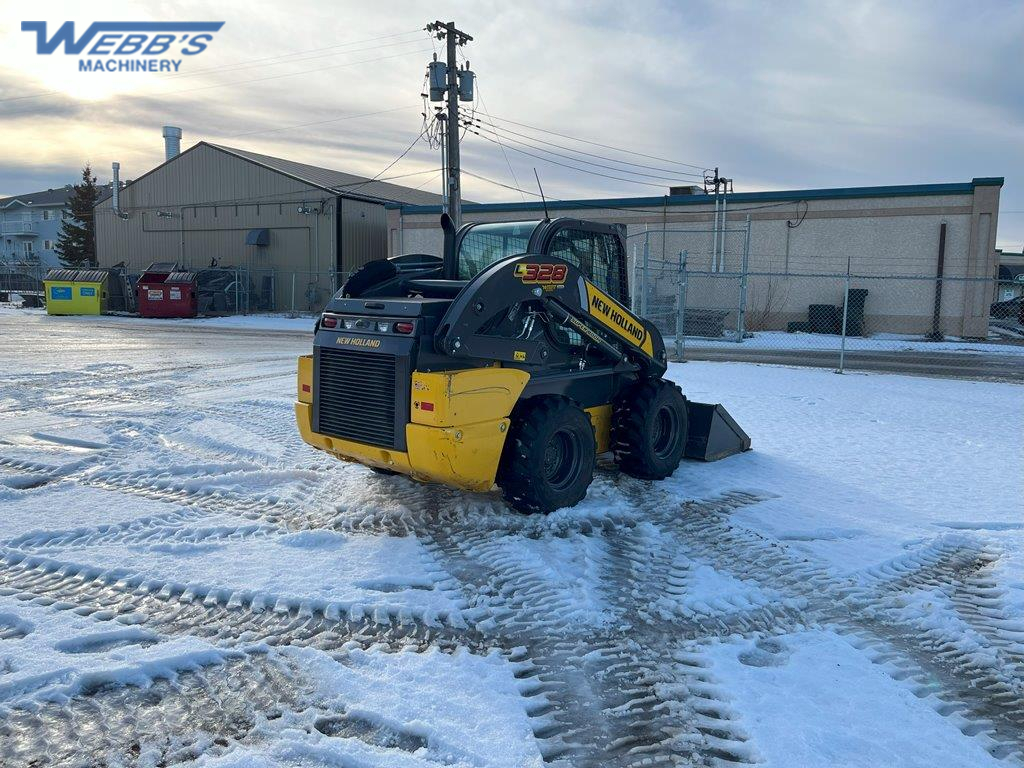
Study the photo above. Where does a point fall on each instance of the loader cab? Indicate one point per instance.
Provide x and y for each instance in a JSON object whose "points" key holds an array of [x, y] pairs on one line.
{"points": [[597, 250]]}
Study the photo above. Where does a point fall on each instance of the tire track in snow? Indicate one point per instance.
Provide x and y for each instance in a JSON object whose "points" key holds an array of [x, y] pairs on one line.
{"points": [[630, 691], [225, 617], [172, 720], [600, 695], [637, 709], [982, 687]]}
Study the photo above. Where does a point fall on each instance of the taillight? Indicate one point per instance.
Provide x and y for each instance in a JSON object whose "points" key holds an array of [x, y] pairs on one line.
{"points": [[328, 321], [403, 327], [425, 406]]}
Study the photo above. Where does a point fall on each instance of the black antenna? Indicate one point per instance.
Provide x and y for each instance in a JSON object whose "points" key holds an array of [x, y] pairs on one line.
{"points": [[544, 199]]}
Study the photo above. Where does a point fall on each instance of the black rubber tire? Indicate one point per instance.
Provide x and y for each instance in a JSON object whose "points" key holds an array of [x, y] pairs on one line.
{"points": [[549, 456], [649, 426]]}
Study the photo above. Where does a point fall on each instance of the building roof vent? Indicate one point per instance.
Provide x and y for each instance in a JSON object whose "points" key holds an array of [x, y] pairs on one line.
{"points": [[690, 189], [172, 142]]}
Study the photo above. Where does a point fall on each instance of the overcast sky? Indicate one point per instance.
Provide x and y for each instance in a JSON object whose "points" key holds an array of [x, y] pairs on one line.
{"points": [[785, 95]]}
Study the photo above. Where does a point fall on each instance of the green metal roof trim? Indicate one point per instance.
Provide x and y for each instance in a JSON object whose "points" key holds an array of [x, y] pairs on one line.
{"points": [[902, 190]]}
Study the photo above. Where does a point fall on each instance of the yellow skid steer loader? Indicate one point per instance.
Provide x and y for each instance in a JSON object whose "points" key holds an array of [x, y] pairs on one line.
{"points": [[513, 360]]}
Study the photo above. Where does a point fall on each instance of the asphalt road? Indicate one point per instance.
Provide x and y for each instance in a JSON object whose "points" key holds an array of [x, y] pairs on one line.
{"points": [[981, 366], [98, 332]]}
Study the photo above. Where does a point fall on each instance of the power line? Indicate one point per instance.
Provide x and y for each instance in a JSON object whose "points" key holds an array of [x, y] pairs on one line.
{"points": [[438, 177], [572, 167], [589, 154], [672, 178], [598, 144], [504, 154], [292, 74], [266, 199], [630, 209], [322, 122], [247, 63], [405, 152], [233, 68], [271, 77]]}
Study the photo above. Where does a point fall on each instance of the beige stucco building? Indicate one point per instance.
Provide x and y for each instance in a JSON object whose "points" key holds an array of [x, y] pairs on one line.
{"points": [[797, 239], [292, 226]]}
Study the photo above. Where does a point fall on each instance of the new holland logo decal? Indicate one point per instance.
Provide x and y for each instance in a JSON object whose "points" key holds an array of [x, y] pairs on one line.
{"points": [[355, 341], [617, 318]]}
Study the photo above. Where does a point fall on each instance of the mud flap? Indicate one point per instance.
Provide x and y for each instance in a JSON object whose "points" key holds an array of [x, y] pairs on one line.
{"points": [[712, 433]]}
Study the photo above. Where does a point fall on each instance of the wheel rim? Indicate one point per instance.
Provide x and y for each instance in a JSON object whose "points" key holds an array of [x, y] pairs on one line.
{"points": [[666, 431], [561, 459]]}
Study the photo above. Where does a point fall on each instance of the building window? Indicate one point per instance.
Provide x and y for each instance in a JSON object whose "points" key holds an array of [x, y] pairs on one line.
{"points": [[47, 245], [46, 214], [28, 247]]}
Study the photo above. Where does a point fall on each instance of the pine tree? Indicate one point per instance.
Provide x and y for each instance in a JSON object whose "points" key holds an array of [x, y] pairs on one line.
{"points": [[76, 243]]}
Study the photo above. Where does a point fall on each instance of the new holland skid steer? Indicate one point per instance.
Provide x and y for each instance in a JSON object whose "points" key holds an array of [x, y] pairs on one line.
{"points": [[512, 361]]}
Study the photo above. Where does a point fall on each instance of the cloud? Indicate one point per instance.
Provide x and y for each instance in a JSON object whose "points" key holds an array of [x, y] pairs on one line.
{"points": [[801, 94]]}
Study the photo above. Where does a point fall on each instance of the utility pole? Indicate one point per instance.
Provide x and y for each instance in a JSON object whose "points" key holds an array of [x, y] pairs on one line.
{"points": [[453, 38], [718, 248]]}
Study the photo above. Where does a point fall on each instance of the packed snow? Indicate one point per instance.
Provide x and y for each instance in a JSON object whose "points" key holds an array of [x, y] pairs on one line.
{"points": [[876, 342], [179, 568], [298, 322]]}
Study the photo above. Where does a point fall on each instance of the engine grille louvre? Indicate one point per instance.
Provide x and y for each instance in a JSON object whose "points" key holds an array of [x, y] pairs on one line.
{"points": [[356, 396]]}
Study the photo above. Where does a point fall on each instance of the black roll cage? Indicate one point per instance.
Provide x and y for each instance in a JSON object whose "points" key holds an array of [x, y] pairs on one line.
{"points": [[540, 243]]}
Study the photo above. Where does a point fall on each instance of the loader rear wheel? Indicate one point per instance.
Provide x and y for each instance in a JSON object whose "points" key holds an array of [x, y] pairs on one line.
{"points": [[649, 429], [549, 456]]}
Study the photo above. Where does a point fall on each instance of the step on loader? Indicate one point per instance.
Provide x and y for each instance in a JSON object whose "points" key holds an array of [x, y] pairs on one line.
{"points": [[513, 360]]}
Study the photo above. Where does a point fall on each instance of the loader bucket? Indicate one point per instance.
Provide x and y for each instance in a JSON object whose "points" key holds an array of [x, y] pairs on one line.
{"points": [[713, 434]]}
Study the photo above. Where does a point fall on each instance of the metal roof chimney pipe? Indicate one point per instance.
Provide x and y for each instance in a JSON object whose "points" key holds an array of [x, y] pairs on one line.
{"points": [[172, 142], [115, 191]]}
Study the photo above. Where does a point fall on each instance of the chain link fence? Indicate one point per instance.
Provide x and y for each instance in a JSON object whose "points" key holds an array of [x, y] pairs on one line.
{"points": [[21, 283], [709, 305], [225, 290], [905, 323]]}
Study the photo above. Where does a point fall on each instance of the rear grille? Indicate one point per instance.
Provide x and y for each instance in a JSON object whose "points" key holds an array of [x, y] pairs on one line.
{"points": [[356, 396]]}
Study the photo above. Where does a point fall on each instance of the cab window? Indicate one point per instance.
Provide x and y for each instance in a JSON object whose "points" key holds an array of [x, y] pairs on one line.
{"points": [[598, 255], [485, 244]]}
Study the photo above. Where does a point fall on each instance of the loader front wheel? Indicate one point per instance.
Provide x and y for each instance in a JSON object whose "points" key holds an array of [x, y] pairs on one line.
{"points": [[649, 429], [549, 456]]}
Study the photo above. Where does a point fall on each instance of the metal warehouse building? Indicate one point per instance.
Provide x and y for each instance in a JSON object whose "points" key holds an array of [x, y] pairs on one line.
{"points": [[794, 249], [291, 227]]}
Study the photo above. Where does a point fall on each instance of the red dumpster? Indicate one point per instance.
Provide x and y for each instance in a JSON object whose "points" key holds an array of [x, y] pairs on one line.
{"points": [[165, 290]]}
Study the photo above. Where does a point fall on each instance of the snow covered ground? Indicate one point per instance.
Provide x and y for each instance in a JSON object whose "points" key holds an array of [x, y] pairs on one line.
{"points": [[877, 342], [183, 582]]}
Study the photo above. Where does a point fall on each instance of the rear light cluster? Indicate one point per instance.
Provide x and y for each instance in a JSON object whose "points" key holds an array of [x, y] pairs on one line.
{"points": [[367, 324]]}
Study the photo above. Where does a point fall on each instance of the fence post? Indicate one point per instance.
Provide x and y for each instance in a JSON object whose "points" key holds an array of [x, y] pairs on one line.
{"points": [[643, 277], [293, 293], [846, 309], [634, 284], [742, 310], [681, 313]]}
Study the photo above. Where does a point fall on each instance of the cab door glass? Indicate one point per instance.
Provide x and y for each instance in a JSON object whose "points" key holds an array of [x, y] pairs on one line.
{"points": [[597, 255]]}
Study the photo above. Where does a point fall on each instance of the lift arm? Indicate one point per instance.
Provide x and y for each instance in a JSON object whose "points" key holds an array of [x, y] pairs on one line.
{"points": [[566, 294]]}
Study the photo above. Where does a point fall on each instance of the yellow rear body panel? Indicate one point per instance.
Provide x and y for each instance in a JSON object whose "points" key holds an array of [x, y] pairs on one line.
{"points": [[465, 397], [458, 443], [601, 419]]}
